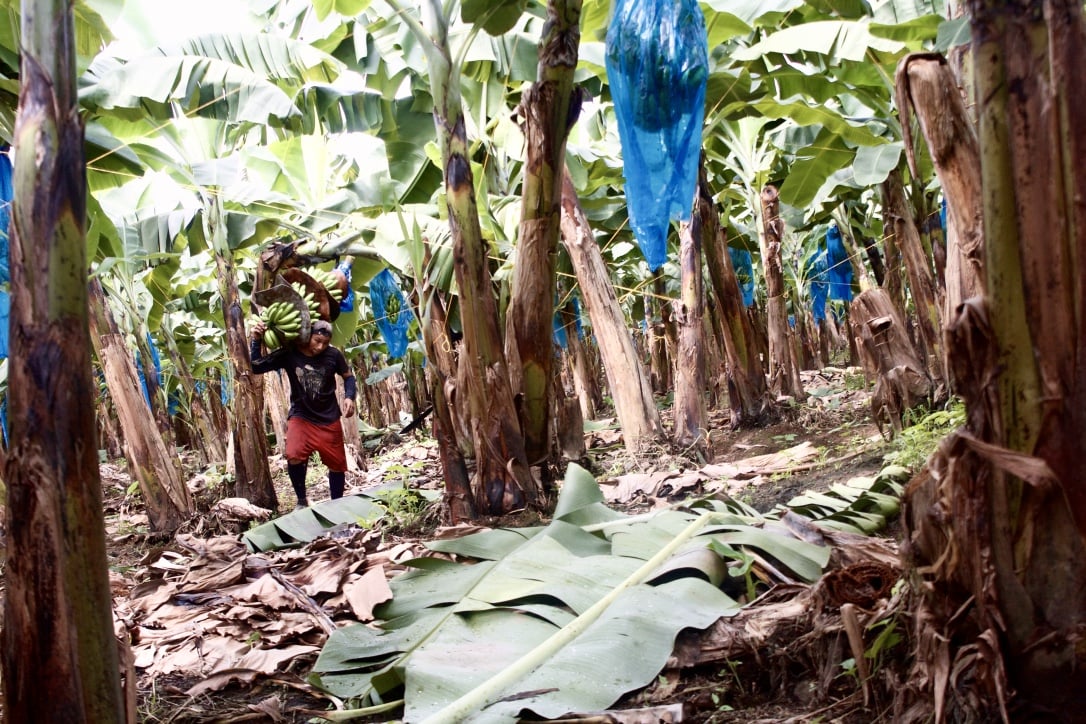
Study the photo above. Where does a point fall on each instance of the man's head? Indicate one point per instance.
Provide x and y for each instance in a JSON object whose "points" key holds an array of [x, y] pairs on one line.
{"points": [[320, 336]]}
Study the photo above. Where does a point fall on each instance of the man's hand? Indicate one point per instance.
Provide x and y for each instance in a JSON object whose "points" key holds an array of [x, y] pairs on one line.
{"points": [[348, 407], [258, 329]]}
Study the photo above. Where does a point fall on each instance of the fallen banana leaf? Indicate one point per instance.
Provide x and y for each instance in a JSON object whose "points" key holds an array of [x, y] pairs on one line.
{"points": [[310, 523], [861, 505], [550, 620]]}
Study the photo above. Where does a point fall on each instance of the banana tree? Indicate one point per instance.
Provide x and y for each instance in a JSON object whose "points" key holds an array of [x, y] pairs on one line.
{"points": [[157, 468], [926, 88], [259, 78], [823, 82], [60, 659], [1009, 488], [626, 375], [503, 481], [485, 71], [549, 108], [195, 406], [753, 158], [747, 389], [197, 146], [600, 248]]}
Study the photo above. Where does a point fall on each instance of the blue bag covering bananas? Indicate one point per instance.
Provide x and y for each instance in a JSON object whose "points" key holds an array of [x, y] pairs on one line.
{"points": [[657, 68]]}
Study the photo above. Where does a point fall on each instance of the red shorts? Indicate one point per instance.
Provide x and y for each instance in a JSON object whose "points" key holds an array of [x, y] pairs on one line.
{"points": [[305, 437]]}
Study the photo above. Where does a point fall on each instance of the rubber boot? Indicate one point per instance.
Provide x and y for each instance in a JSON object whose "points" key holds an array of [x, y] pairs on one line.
{"points": [[296, 472], [336, 483]]}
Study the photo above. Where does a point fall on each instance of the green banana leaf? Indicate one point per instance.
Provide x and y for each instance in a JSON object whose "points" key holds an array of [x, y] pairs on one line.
{"points": [[845, 40], [310, 523], [583, 610], [861, 505]]}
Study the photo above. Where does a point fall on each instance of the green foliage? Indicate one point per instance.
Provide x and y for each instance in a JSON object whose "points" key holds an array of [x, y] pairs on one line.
{"points": [[405, 508], [312, 522], [605, 595], [923, 433], [495, 17], [887, 638], [855, 381], [859, 505]]}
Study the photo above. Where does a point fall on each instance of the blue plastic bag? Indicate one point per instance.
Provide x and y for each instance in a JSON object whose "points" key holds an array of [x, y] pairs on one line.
{"points": [[5, 319], [391, 312], [743, 263], [154, 370], [817, 269], [657, 68], [560, 336], [347, 303], [577, 317], [840, 269], [5, 276], [6, 193]]}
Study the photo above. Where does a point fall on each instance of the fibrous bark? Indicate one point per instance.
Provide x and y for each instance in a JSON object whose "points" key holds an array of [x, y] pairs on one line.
{"points": [[502, 480], [277, 403], [210, 437], [584, 377], [60, 661], [252, 476], [901, 379], [548, 114], [747, 390], [691, 423], [156, 467], [927, 87], [875, 259], [997, 526], [783, 370], [928, 304], [626, 377], [441, 376]]}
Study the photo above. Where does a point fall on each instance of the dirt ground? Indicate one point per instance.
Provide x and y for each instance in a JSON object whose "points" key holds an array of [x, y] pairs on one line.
{"points": [[848, 445]]}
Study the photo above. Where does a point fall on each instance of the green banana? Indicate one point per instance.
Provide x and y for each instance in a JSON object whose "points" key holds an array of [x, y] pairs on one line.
{"points": [[329, 281], [280, 310]]}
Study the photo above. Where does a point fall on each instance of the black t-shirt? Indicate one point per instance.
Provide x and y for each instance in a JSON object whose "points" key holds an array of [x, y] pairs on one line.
{"points": [[312, 380]]}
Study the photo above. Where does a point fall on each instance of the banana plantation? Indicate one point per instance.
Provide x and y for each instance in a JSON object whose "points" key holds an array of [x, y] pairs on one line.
{"points": [[585, 255]]}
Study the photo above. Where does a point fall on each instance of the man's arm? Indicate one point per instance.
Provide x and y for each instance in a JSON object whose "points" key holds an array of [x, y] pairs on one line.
{"points": [[259, 363], [350, 387]]}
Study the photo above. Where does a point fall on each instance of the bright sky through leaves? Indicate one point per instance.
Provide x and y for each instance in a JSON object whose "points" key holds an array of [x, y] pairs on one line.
{"points": [[141, 25]]}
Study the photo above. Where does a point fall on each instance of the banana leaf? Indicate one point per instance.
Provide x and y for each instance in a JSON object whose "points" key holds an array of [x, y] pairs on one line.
{"points": [[564, 618], [310, 523], [861, 505]]}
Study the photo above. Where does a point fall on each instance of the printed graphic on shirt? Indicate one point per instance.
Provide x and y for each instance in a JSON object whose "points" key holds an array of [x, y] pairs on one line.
{"points": [[311, 379]]}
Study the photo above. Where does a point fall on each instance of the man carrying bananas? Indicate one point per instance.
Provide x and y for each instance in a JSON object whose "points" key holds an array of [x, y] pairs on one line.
{"points": [[313, 423]]}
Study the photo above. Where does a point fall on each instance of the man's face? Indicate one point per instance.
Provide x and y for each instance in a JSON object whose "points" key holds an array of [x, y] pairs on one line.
{"points": [[318, 342]]}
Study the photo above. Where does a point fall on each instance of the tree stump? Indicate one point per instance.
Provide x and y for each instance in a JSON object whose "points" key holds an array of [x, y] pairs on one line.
{"points": [[902, 380]]}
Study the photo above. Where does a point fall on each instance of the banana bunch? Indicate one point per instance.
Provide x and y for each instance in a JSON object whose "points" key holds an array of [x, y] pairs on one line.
{"points": [[392, 307], [307, 297], [283, 323], [330, 282]]}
